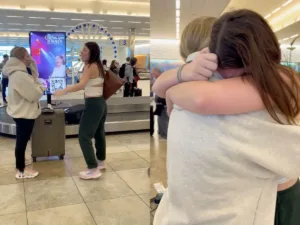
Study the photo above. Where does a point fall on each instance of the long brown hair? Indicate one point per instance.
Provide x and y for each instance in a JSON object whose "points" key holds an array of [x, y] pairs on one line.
{"points": [[95, 56], [243, 39]]}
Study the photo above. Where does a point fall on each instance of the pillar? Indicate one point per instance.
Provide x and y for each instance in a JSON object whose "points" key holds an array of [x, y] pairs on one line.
{"points": [[131, 41]]}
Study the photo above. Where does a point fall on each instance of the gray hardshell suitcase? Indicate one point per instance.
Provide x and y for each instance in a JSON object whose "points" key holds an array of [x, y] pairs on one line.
{"points": [[48, 136]]}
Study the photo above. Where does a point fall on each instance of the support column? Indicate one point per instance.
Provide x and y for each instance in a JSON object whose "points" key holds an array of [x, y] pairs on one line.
{"points": [[131, 41]]}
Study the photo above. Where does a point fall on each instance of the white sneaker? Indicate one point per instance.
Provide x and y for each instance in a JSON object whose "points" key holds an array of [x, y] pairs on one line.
{"points": [[28, 162], [27, 174], [90, 174], [101, 165]]}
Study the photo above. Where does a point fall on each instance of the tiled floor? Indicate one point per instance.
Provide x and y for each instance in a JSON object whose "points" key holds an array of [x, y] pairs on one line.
{"points": [[59, 197], [158, 173]]}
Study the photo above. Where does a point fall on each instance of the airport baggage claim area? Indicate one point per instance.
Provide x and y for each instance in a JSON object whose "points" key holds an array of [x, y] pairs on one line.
{"points": [[58, 195]]}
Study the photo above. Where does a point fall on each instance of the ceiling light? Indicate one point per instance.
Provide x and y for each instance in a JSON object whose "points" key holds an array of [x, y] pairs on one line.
{"points": [[13, 29], [177, 13], [288, 2], [78, 19], [177, 4], [296, 35], [276, 10], [97, 20], [147, 22], [33, 25], [284, 39], [116, 21], [41, 18], [15, 24], [177, 20], [50, 25], [15, 16], [57, 19], [267, 16], [67, 26], [134, 22], [145, 29], [143, 33], [117, 28]]}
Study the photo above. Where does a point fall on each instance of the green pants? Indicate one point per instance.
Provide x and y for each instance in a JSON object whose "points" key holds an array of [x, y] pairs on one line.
{"points": [[288, 206], [92, 126]]}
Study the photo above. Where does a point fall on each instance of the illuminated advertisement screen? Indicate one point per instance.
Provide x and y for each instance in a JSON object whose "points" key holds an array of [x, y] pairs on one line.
{"points": [[48, 49]]}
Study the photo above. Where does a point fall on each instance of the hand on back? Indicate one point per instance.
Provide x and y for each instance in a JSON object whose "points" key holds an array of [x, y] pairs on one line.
{"points": [[201, 68]]}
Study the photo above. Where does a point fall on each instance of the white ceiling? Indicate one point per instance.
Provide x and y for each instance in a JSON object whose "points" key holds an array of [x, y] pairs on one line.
{"points": [[117, 16]]}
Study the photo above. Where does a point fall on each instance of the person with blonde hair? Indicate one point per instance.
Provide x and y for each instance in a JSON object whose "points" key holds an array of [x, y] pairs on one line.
{"points": [[194, 38], [24, 92]]}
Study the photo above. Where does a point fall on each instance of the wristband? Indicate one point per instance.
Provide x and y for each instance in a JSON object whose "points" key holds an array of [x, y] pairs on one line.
{"points": [[179, 72]]}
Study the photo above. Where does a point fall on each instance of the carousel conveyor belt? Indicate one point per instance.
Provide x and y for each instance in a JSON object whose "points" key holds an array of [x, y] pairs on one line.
{"points": [[124, 114]]}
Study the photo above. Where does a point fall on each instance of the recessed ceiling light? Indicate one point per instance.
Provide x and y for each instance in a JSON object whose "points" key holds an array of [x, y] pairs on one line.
{"points": [[117, 28], [13, 29], [276, 10], [50, 25], [67, 26], [15, 16], [41, 18], [288, 2], [33, 25], [78, 19], [116, 21], [97, 20], [134, 22], [296, 35], [57, 19], [15, 24]]}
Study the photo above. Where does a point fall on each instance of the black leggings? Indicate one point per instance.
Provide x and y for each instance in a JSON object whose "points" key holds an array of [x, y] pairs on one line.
{"points": [[24, 129], [288, 206]]}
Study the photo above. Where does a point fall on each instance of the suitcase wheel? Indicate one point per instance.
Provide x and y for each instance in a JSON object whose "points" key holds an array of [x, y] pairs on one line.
{"points": [[34, 159], [61, 157]]}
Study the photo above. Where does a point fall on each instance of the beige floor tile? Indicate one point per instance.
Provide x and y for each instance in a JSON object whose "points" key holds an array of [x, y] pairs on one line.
{"points": [[129, 164], [14, 219], [7, 175], [144, 154], [121, 156], [49, 170], [7, 143], [78, 164], [146, 199], [109, 186], [116, 149], [66, 215], [137, 179], [7, 157], [139, 147], [117, 212], [73, 151], [51, 193], [12, 199]]}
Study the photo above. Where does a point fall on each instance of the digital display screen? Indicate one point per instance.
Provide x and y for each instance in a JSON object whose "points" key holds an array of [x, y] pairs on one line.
{"points": [[48, 49]]}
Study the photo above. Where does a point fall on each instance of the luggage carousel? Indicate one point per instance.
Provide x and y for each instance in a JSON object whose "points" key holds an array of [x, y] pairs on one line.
{"points": [[124, 115]]}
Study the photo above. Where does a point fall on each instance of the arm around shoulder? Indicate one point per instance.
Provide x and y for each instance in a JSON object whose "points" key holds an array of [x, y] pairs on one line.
{"points": [[223, 97]]}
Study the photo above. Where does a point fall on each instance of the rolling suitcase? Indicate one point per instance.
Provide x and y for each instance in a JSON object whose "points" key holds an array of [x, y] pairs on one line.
{"points": [[48, 136], [73, 114]]}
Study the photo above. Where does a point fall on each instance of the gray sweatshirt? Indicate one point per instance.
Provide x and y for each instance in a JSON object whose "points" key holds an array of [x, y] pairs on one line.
{"points": [[224, 170]]}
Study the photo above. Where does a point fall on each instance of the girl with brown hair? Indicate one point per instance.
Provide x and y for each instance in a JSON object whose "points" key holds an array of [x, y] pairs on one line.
{"points": [[233, 177]]}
